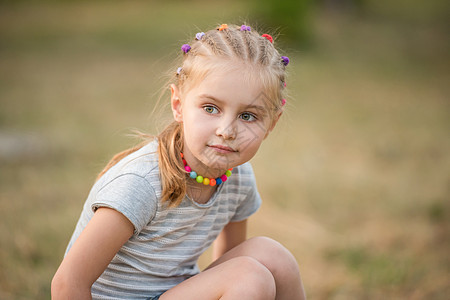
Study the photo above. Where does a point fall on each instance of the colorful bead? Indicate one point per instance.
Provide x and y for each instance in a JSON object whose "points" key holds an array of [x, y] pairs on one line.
{"points": [[205, 180], [283, 102]]}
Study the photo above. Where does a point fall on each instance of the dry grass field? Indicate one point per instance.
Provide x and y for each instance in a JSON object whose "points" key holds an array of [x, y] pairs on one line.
{"points": [[355, 179]]}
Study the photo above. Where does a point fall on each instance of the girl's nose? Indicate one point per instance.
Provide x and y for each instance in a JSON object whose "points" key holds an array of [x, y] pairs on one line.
{"points": [[227, 130]]}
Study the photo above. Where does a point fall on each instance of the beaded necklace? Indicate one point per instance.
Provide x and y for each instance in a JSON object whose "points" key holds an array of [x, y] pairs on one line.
{"points": [[206, 180]]}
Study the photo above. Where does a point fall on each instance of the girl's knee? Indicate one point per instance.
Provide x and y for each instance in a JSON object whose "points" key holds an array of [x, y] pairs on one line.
{"points": [[252, 279], [275, 256]]}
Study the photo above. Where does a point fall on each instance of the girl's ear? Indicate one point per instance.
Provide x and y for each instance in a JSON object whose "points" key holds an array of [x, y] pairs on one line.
{"points": [[176, 103], [274, 122]]}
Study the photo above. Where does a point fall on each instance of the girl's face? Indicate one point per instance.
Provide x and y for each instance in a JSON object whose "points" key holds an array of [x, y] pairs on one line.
{"points": [[224, 120]]}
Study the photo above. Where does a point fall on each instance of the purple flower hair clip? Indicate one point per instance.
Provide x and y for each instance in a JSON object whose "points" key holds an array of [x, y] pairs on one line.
{"points": [[245, 28], [285, 60], [199, 36], [185, 48]]}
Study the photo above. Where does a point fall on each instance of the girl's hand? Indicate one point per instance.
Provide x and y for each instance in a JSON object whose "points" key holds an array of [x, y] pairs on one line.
{"points": [[91, 253]]}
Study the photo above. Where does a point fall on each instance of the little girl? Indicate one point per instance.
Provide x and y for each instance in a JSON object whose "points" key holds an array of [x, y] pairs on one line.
{"points": [[156, 208]]}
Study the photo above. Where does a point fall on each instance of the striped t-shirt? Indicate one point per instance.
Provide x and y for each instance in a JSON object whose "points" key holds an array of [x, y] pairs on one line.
{"points": [[167, 242]]}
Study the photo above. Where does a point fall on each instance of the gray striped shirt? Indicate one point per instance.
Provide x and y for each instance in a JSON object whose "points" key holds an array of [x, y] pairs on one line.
{"points": [[167, 242]]}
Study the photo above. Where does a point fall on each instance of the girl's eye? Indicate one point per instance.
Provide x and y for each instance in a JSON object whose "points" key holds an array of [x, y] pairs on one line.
{"points": [[248, 117], [211, 109]]}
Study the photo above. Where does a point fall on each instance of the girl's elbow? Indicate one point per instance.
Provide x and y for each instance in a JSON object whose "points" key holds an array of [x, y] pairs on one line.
{"points": [[59, 287], [64, 287]]}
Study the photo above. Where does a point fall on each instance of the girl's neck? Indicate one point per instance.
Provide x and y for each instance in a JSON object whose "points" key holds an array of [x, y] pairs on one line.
{"points": [[202, 169], [200, 193]]}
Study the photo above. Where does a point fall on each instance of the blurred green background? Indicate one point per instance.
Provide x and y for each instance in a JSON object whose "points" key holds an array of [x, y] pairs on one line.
{"points": [[355, 179]]}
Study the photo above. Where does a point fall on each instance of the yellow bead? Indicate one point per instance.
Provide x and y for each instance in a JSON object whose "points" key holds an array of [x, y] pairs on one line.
{"points": [[206, 181]]}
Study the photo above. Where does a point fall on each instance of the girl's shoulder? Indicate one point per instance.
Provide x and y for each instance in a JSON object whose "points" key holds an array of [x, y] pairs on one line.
{"points": [[243, 176], [244, 169], [142, 163]]}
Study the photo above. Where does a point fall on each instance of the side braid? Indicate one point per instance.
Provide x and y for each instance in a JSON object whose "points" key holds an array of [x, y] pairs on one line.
{"points": [[263, 56], [211, 43], [221, 44]]}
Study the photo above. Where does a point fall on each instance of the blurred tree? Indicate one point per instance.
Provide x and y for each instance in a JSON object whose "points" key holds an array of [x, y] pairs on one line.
{"points": [[293, 18], [290, 17], [345, 6]]}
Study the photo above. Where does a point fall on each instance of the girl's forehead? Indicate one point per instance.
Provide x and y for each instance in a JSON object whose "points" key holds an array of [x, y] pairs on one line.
{"points": [[231, 84]]}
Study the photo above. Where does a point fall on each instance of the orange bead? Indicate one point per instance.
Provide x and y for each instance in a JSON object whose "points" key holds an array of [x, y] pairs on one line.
{"points": [[212, 182]]}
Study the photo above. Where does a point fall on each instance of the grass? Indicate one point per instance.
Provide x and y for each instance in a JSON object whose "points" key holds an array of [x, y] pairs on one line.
{"points": [[354, 178]]}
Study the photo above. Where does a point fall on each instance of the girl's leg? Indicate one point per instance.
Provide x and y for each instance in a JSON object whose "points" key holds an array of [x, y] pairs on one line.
{"points": [[277, 259], [237, 278]]}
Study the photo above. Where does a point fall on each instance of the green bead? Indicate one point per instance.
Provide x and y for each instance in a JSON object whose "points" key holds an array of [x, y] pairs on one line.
{"points": [[228, 173], [199, 179]]}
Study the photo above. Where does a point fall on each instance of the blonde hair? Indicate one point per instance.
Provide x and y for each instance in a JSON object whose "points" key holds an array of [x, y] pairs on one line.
{"points": [[227, 48]]}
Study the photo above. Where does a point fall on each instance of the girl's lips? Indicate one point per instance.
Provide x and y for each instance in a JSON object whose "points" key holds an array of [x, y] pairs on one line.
{"points": [[222, 149]]}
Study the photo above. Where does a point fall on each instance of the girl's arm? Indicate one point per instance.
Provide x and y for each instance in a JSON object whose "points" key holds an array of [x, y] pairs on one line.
{"points": [[232, 235], [91, 253]]}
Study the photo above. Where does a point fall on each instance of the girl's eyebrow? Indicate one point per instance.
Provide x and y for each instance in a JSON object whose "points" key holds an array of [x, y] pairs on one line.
{"points": [[251, 105]]}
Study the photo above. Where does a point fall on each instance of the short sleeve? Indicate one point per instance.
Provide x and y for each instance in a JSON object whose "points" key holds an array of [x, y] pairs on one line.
{"points": [[130, 194], [251, 202]]}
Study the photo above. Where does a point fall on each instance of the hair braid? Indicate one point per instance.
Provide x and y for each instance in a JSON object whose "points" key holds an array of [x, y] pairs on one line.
{"points": [[263, 57], [250, 47], [221, 47], [211, 44], [233, 43]]}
